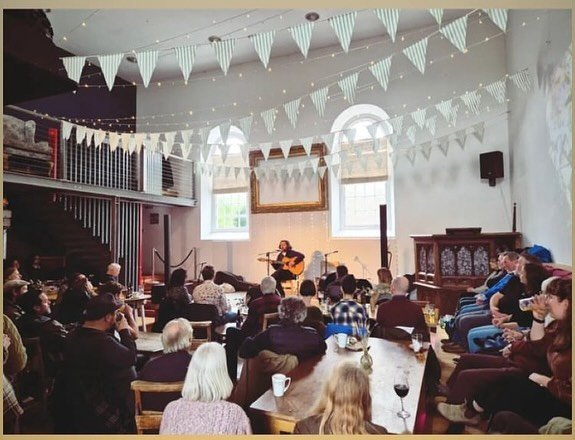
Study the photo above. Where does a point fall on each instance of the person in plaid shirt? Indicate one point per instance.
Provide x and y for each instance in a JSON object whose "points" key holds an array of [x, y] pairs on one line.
{"points": [[210, 293], [347, 311]]}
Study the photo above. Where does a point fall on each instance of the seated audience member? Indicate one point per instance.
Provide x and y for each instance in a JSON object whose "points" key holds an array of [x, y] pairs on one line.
{"points": [[210, 293], [15, 355], [497, 272], [115, 289], [11, 274], [203, 409], [483, 383], [13, 290], [348, 312], [92, 391], [75, 299], [176, 290], [267, 303], [287, 337], [333, 289], [344, 406], [12, 408], [112, 273], [177, 338], [34, 270], [382, 290], [314, 316]]}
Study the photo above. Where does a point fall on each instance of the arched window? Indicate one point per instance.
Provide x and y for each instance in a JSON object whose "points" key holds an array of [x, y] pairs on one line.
{"points": [[364, 179]]}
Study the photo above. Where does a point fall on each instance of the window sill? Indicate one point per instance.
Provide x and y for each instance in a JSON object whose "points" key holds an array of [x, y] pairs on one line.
{"points": [[227, 236]]}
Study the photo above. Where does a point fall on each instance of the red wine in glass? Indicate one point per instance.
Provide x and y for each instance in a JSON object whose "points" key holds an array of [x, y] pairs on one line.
{"points": [[401, 388]]}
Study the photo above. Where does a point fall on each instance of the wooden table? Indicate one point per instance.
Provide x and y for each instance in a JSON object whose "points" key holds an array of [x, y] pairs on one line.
{"points": [[137, 304], [148, 343], [269, 412]]}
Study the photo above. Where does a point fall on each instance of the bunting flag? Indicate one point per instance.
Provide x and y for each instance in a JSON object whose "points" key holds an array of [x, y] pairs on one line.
{"points": [[138, 140], [349, 135], [292, 110], [109, 65], [335, 170], [410, 155], [263, 45], [225, 131], [456, 32], [302, 165], [245, 149], [113, 139], [269, 117], [445, 108], [416, 54], [521, 80], [74, 66], [499, 17], [321, 171], [258, 172], [342, 156], [289, 170], [265, 148], [169, 144], [437, 14], [307, 143], [418, 117], [285, 147], [444, 146], [410, 133], [224, 152], [203, 132], [246, 125], [154, 139], [147, 63], [348, 85], [319, 97], [375, 145], [99, 136], [237, 171], [67, 129], [80, 134], [125, 139], [343, 25], [397, 125], [430, 124], [372, 129], [498, 90], [380, 71], [302, 36], [186, 56], [206, 150], [426, 150], [314, 164], [329, 160], [246, 172], [472, 100], [224, 51], [460, 137], [389, 18], [479, 131]]}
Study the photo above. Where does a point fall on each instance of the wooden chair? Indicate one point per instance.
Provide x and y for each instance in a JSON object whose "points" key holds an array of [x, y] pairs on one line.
{"points": [[270, 318], [205, 328], [147, 419]]}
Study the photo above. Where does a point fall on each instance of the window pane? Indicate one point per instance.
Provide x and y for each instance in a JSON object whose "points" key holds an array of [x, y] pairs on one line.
{"points": [[361, 203], [231, 211]]}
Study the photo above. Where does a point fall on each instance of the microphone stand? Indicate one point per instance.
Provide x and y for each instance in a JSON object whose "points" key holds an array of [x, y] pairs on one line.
{"points": [[325, 261], [268, 259]]}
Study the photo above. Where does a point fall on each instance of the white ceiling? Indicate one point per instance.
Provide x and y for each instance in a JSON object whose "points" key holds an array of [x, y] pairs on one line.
{"points": [[112, 31]]}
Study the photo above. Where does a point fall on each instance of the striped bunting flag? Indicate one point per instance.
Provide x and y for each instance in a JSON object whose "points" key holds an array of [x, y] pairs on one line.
{"points": [[397, 125], [246, 125], [430, 124], [269, 117], [147, 63], [437, 14], [499, 17], [307, 143], [74, 66], [389, 18], [455, 32], [410, 133], [292, 110], [380, 71], [80, 134], [225, 131], [328, 140], [418, 117], [285, 147], [348, 85], [186, 56], [265, 148], [416, 54], [319, 97], [343, 25], [454, 110], [445, 108], [109, 65], [521, 80], [498, 90], [302, 36], [224, 51], [472, 100], [263, 45]]}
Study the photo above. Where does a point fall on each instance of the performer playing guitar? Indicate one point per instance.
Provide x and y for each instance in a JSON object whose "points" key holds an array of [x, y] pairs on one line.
{"points": [[282, 274]]}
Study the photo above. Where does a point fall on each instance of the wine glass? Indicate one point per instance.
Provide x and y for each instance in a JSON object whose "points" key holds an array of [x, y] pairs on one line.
{"points": [[401, 387]]}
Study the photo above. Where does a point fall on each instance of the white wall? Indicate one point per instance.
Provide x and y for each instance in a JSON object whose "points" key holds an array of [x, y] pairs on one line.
{"points": [[540, 130], [429, 196]]}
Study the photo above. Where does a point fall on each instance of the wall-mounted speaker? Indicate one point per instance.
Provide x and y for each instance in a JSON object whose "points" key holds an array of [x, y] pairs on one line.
{"points": [[491, 166]]}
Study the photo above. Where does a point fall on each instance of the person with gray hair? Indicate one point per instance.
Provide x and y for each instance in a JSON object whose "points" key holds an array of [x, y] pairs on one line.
{"points": [[203, 408], [112, 273], [177, 338], [287, 337]]}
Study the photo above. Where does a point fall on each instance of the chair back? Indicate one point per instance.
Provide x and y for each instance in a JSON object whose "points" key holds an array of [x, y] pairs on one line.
{"points": [[270, 318], [166, 312], [147, 419], [202, 333], [197, 312], [390, 333]]}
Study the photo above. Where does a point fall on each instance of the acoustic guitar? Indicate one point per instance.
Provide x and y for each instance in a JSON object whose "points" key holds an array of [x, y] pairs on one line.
{"points": [[296, 269]]}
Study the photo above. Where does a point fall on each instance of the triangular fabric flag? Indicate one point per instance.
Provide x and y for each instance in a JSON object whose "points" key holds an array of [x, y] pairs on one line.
{"points": [[416, 53], [521, 80], [335, 170], [302, 165], [363, 163], [498, 90], [456, 32], [430, 124], [114, 139], [245, 149], [479, 131], [307, 143], [397, 124], [314, 164], [285, 147], [349, 135], [263, 45], [269, 117], [246, 125], [358, 151], [499, 17], [138, 140], [265, 148], [170, 139], [125, 138], [329, 160], [186, 56], [437, 14], [80, 134], [289, 170], [203, 132], [257, 172], [224, 152], [321, 171], [454, 110], [302, 36], [319, 97], [375, 145], [343, 25], [246, 172], [372, 129], [109, 65], [224, 51], [426, 150], [154, 139], [99, 136], [460, 138], [389, 18], [131, 144], [343, 156], [225, 131], [380, 71], [410, 155], [227, 172], [348, 85], [410, 133], [67, 129], [74, 66], [292, 110], [166, 149], [328, 140], [445, 108], [237, 171], [147, 63], [206, 149], [472, 100], [418, 117]]}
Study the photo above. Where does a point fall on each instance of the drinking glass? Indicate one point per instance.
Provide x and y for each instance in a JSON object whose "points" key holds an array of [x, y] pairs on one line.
{"points": [[401, 388]]}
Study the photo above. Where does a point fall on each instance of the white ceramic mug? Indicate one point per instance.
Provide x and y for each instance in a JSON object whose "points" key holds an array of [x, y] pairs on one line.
{"points": [[279, 385], [341, 340]]}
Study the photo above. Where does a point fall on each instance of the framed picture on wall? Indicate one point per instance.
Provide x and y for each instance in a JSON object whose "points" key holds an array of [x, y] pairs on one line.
{"points": [[276, 191]]}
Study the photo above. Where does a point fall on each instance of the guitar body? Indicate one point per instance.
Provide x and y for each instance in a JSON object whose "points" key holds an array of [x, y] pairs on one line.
{"points": [[296, 270]]}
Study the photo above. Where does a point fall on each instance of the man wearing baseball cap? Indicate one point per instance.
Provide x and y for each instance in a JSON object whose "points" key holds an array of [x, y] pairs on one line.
{"points": [[12, 290]]}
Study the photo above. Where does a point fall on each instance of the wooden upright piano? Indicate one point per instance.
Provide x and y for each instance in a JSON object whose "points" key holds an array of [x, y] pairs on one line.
{"points": [[447, 264]]}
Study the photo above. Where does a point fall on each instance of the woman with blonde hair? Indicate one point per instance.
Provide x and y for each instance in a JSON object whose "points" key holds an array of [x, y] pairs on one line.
{"points": [[203, 409], [344, 406]]}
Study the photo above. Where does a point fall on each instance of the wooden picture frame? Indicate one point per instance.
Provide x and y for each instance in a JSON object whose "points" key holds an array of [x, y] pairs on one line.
{"points": [[312, 198]]}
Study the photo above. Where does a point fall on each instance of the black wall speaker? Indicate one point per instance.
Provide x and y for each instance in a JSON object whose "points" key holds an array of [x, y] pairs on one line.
{"points": [[383, 235], [491, 166]]}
